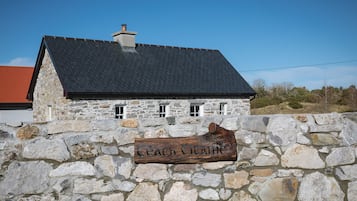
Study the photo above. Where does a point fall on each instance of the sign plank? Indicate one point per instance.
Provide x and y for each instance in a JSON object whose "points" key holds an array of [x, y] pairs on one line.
{"points": [[218, 144]]}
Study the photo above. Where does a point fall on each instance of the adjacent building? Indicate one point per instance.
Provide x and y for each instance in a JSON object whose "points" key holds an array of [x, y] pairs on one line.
{"points": [[94, 79], [14, 84]]}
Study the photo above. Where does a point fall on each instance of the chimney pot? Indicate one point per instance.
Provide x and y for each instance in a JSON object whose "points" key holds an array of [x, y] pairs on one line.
{"points": [[123, 27]]}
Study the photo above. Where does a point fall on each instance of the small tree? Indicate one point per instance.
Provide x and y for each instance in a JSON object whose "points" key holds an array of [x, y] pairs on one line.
{"points": [[260, 87]]}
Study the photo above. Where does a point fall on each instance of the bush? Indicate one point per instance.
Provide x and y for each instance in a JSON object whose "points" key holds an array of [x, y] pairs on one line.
{"points": [[295, 105], [265, 101], [259, 102]]}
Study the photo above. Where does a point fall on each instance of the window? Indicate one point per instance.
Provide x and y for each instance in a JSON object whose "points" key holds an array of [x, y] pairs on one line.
{"points": [[164, 110], [120, 111], [223, 108], [49, 113], [196, 110]]}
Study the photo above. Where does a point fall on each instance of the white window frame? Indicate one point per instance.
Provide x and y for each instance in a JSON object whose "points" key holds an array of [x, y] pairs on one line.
{"points": [[223, 108], [164, 110], [197, 110], [49, 113], [120, 111]]}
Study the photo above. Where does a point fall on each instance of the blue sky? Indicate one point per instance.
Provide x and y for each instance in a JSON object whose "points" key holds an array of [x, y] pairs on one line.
{"points": [[305, 42]]}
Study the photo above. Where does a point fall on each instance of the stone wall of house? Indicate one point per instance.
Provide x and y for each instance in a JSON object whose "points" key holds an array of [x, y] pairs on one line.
{"points": [[150, 108], [280, 157], [49, 98], [48, 94]]}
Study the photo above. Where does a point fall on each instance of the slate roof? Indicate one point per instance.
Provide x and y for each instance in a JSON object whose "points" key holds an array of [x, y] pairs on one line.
{"points": [[102, 69]]}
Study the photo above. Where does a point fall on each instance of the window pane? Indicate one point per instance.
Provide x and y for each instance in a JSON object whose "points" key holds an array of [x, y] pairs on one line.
{"points": [[223, 108], [194, 110], [162, 112], [119, 112]]}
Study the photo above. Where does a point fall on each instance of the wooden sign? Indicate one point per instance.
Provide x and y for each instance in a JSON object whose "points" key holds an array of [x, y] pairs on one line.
{"points": [[218, 144]]}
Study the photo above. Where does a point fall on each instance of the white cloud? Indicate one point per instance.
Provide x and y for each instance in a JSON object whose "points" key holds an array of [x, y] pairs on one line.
{"points": [[20, 61], [310, 77]]}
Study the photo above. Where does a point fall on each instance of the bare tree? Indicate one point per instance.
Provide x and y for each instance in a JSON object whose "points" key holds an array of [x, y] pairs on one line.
{"points": [[260, 87]]}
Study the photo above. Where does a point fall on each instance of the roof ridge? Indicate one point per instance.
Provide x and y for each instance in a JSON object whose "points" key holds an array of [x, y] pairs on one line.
{"points": [[84, 39], [170, 46], [137, 44]]}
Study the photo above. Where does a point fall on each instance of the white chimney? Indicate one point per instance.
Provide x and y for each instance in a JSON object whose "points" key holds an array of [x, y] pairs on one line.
{"points": [[124, 37]]}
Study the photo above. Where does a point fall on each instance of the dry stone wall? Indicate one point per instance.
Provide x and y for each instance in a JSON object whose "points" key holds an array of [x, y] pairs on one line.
{"points": [[307, 157]]}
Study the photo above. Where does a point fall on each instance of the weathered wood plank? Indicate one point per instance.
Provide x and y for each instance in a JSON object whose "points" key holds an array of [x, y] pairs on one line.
{"points": [[218, 144]]}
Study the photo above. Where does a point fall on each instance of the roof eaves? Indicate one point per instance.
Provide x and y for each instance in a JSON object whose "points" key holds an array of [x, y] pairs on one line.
{"points": [[15, 106], [80, 95]]}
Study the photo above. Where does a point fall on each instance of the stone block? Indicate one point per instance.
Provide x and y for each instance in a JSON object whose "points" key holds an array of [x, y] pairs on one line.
{"points": [[279, 189], [90, 186], [206, 179], [181, 176], [84, 150], [236, 180], [224, 193], [153, 122], [52, 149], [341, 156], [25, 178], [78, 168], [349, 132], [104, 125], [124, 136], [249, 137], [27, 132], [127, 149], [182, 130], [301, 117], [114, 166], [261, 172], [321, 139], [254, 123], [68, 126], [185, 167], [352, 191], [302, 156], [113, 197], [151, 172], [156, 133], [327, 119], [145, 191], [282, 131], [129, 123], [216, 165], [111, 150], [105, 137], [209, 194], [78, 138], [347, 172], [318, 187], [230, 123], [247, 153], [189, 120], [290, 173], [181, 191], [266, 158], [241, 196]]}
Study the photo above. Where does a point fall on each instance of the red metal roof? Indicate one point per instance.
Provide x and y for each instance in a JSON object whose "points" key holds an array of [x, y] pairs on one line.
{"points": [[14, 83]]}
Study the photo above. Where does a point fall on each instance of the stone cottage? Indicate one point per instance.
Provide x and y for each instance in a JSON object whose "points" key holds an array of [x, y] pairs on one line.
{"points": [[94, 79]]}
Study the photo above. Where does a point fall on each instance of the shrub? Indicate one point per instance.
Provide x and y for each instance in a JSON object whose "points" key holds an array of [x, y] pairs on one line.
{"points": [[295, 105]]}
